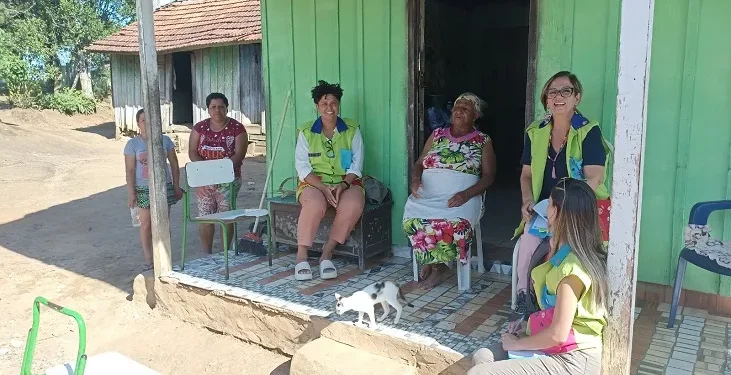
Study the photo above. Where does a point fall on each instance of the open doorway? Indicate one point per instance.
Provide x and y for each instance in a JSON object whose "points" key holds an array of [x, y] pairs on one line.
{"points": [[182, 89], [482, 46]]}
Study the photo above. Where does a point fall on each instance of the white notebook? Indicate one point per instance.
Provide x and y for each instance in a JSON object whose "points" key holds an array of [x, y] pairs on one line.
{"points": [[518, 354]]}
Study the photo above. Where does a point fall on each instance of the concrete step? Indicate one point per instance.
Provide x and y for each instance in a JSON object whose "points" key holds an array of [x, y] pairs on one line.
{"points": [[253, 129], [257, 137], [324, 356]]}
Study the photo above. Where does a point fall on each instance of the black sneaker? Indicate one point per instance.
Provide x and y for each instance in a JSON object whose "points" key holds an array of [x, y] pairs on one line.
{"points": [[521, 303], [521, 307]]}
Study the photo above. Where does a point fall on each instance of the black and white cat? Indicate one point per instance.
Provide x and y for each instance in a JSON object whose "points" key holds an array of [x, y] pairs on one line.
{"points": [[385, 292]]}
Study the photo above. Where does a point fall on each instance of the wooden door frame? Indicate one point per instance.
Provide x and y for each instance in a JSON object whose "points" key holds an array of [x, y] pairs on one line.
{"points": [[415, 99], [530, 87]]}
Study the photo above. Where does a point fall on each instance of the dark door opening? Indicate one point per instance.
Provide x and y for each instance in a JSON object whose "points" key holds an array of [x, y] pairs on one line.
{"points": [[482, 46], [182, 89]]}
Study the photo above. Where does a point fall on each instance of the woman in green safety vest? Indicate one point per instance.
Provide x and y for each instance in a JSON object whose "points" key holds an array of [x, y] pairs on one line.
{"points": [[563, 144], [329, 163]]}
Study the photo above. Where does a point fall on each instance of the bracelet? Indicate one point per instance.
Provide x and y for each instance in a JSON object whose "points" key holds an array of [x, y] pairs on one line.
{"points": [[346, 184]]}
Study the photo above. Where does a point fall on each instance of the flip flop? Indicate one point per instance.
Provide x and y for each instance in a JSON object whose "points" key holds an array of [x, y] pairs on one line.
{"points": [[328, 270], [302, 276]]}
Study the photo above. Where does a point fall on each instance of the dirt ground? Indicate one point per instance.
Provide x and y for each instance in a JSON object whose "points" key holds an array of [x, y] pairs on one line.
{"points": [[66, 234]]}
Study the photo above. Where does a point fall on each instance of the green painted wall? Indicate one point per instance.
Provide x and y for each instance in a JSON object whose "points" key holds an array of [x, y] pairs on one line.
{"points": [[688, 135], [362, 45], [582, 37], [689, 121]]}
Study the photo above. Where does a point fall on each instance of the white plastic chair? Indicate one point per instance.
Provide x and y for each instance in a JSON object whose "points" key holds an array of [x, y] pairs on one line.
{"points": [[109, 363], [214, 172], [464, 271]]}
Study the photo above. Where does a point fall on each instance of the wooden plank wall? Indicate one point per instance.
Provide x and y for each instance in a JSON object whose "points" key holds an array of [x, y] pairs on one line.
{"points": [[127, 90], [234, 71], [362, 44]]}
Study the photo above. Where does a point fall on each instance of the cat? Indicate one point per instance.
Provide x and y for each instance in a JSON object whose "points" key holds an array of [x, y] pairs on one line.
{"points": [[385, 292]]}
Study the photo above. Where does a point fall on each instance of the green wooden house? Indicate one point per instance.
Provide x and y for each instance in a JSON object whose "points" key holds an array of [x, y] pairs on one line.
{"points": [[392, 56]]}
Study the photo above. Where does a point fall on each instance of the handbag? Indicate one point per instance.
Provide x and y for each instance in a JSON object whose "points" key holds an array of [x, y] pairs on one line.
{"points": [[539, 320]]}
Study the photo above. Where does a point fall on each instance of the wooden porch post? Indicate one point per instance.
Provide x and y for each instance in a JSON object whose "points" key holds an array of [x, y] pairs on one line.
{"points": [[156, 153], [635, 44]]}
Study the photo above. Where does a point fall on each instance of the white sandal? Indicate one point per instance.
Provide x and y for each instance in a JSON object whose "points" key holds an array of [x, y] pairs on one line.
{"points": [[302, 276], [328, 270]]}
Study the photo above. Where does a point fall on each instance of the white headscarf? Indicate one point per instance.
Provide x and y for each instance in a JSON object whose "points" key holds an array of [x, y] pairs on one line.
{"points": [[474, 99]]}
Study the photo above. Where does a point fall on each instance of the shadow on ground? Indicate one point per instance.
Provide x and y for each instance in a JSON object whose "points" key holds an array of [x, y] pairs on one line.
{"points": [[106, 130], [94, 237]]}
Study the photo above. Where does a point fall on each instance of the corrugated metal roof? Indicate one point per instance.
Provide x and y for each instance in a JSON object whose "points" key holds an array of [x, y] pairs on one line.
{"points": [[192, 24]]}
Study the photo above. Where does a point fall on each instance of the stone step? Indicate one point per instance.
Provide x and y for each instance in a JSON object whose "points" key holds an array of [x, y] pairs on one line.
{"points": [[324, 356], [254, 129], [258, 137]]}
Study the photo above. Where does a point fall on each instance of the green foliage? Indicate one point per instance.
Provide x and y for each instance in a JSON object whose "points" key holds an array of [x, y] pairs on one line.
{"points": [[68, 101], [102, 82]]}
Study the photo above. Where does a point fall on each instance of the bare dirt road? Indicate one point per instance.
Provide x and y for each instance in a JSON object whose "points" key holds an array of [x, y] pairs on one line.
{"points": [[65, 234]]}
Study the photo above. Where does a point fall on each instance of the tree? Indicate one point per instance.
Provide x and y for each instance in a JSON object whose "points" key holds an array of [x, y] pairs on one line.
{"points": [[36, 35]]}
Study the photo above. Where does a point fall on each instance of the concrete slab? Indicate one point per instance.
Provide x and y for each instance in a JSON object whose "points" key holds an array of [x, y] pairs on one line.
{"points": [[329, 357], [109, 363]]}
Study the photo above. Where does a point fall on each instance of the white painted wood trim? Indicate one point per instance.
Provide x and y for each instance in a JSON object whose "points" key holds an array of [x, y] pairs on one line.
{"points": [[635, 44]]}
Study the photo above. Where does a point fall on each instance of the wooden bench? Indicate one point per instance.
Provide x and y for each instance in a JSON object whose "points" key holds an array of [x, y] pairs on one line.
{"points": [[371, 236]]}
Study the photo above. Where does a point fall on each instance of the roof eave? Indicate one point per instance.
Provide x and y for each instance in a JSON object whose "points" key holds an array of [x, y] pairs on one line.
{"points": [[172, 50]]}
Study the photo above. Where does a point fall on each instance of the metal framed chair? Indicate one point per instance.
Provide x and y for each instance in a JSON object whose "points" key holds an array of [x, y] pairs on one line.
{"points": [[214, 172], [701, 249]]}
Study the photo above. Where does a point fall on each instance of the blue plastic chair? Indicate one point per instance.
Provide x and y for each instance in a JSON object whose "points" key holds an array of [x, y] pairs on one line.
{"points": [[699, 216]]}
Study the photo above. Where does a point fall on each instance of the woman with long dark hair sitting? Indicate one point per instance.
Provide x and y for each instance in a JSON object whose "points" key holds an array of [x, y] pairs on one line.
{"points": [[565, 335]]}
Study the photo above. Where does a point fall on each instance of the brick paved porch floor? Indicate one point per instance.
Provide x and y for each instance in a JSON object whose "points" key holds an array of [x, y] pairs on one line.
{"points": [[458, 321]]}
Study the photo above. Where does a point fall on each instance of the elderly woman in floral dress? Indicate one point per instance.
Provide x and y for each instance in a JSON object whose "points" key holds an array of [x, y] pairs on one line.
{"points": [[455, 169]]}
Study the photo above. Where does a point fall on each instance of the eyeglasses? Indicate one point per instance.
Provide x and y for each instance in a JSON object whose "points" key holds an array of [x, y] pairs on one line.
{"points": [[329, 148], [565, 92]]}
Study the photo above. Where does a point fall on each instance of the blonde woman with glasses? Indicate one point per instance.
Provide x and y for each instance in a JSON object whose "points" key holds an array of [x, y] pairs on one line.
{"points": [[563, 144]]}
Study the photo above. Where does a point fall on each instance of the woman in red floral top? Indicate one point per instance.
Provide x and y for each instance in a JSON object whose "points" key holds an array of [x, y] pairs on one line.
{"points": [[217, 137]]}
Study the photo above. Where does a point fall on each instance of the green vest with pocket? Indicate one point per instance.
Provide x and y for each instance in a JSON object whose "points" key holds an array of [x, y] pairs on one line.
{"points": [[540, 134], [330, 159]]}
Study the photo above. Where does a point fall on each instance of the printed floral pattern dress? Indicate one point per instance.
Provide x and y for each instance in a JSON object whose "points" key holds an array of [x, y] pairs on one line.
{"points": [[442, 240]]}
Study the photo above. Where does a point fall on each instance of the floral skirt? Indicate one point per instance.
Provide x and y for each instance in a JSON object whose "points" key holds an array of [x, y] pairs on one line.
{"points": [[439, 240]]}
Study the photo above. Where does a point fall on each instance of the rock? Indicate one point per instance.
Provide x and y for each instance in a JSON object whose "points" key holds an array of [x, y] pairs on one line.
{"points": [[143, 289], [269, 326], [329, 357], [428, 360]]}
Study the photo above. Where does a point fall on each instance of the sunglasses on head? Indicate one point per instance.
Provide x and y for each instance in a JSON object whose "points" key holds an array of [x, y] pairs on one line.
{"points": [[329, 151]]}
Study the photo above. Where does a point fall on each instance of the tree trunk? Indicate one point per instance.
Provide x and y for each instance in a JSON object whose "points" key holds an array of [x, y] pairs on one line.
{"points": [[85, 79], [75, 82]]}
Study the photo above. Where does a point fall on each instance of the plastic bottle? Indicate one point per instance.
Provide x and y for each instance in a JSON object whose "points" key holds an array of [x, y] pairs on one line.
{"points": [[135, 214]]}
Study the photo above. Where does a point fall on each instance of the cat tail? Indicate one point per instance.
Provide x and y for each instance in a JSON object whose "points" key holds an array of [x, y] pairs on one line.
{"points": [[401, 296]]}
